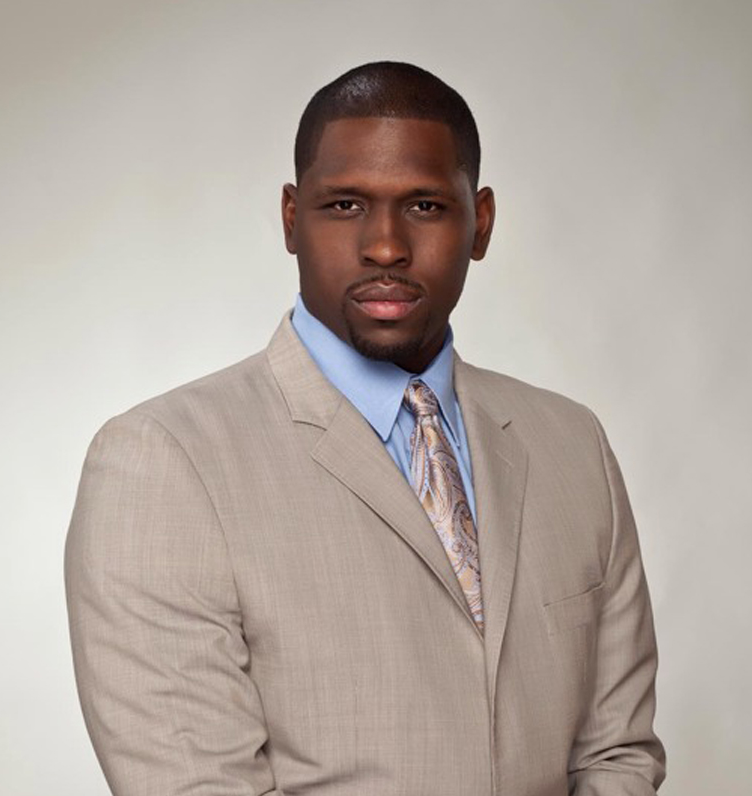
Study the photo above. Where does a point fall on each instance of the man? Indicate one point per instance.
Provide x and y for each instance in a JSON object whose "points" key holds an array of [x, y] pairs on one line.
{"points": [[352, 563]]}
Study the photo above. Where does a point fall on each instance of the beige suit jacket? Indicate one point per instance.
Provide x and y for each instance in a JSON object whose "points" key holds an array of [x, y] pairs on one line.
{"points": [[259, 605]]}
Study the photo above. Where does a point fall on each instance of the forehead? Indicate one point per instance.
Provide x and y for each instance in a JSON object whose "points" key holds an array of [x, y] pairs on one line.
{"points": [[371, 147]]}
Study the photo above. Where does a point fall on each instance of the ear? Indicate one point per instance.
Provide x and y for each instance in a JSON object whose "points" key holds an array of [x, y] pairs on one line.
{"points": [[289, 206], [485, 212]]}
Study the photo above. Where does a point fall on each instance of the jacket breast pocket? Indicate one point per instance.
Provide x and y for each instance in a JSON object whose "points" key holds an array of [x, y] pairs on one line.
{"points": [[571, 624], [574, 611]]}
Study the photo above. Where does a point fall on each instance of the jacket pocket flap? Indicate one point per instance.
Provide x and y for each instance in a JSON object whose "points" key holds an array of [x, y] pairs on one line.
{"points": [[574, 611]]}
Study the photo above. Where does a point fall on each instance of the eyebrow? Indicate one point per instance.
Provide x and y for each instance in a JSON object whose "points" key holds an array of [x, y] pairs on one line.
{"points": [[337, 190], [420, 192]]}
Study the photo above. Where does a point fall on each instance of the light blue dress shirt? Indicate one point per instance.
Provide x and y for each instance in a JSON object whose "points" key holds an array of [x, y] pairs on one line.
{"points": [[376, 389]]}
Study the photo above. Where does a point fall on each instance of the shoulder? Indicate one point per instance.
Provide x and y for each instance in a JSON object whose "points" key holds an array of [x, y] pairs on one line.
{"points": [[562, 441], [209, 407], [528, 406]]}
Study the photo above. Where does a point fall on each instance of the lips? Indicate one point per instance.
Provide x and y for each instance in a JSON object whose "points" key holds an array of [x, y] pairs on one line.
{"points": [[386, 301]]}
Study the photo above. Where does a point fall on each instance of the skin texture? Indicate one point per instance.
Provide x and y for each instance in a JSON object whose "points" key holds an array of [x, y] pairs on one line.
{"points": [[384, 224]]}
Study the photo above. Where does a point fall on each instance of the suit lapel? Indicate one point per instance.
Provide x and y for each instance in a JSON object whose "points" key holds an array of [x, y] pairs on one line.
{"points": [[499, 463], [353, 453]]}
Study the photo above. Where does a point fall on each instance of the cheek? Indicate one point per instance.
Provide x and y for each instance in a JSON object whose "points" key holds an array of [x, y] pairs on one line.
{"points": [[328, 241], [443, 244], [445, 267], [326, 258]]}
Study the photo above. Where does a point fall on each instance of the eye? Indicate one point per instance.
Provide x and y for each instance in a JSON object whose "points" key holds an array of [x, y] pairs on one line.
{"points": [[426, 207], [343, 207]]}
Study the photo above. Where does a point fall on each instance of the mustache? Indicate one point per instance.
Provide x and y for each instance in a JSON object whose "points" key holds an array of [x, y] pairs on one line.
{"points": [[385, 277]]}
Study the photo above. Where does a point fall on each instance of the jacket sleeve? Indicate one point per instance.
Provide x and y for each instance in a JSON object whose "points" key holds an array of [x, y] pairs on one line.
{"points": [[162, 666], [616, 752]]}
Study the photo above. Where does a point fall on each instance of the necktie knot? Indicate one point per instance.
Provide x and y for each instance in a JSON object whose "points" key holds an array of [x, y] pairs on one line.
{"points": [[420, 399]]}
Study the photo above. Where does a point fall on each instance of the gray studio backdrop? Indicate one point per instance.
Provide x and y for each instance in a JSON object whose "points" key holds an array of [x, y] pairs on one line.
{"points": [[142, 150]]}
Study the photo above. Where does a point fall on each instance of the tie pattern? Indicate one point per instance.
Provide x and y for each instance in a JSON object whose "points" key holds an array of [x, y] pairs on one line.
{"points": [[437, 482]]}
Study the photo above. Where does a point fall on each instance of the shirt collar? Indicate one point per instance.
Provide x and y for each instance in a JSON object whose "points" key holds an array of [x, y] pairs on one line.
{"points": [[375, 388]]}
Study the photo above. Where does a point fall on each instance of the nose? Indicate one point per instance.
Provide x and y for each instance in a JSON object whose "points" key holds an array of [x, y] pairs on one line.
{"points": [[384, 240]]}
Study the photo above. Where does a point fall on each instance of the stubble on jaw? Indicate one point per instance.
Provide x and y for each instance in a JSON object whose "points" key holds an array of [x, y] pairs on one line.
{"points": [[400, 352]]}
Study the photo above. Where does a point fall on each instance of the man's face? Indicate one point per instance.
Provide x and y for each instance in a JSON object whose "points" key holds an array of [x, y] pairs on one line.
{"points": [[384, 224]]}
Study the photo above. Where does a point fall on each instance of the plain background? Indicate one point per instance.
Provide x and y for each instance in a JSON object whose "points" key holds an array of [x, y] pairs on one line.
{"points": [[142, 150]]}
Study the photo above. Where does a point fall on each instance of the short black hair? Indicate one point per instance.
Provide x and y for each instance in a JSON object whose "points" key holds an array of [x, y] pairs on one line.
{"points": [[388, 89]]}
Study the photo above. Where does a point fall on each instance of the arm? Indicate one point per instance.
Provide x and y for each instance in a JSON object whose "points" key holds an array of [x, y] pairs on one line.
{"points": [[162, 666], [616, 752]]}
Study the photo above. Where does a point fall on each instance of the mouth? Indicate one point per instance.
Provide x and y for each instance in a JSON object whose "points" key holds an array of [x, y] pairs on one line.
{"points": [[386, 301]]}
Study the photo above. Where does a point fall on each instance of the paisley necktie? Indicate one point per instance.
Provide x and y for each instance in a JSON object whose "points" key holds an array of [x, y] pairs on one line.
{"points": [[437, 482]]}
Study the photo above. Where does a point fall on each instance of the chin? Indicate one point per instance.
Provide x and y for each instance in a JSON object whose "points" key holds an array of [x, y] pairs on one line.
{"points": [[404, 347], [398, 351]]}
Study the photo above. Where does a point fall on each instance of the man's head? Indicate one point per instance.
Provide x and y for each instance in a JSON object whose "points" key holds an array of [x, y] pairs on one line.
{"points": [[386, 214], [387, 89]]}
